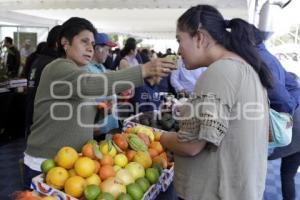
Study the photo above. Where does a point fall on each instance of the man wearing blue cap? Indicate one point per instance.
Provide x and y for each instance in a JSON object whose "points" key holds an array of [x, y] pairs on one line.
{"points": [[102, 47]]}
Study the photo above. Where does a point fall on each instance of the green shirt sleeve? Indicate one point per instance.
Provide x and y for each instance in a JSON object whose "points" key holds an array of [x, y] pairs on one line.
{"points": [[66, 78]]}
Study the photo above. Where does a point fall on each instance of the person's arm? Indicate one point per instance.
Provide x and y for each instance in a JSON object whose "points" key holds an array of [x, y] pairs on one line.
{"points": [[280, 98], [169, 141], [106, 84]]}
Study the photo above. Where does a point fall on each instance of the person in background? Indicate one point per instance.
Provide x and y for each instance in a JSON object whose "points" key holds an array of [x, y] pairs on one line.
{"points": [[284, 97], [66, 88], [138, 56], [145, 55], [183, 80], [108, 64], [168, 52], [31, 58], [213, 158], [128, 59], [11, 58], [46, 55], [146, 98], [102, 48], [128, 54], [165, 85], [153, 54], [25, 51], [116, 58]]}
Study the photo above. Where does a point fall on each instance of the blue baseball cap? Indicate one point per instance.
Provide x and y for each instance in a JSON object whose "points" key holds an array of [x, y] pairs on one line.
{"points": [[102, 39]]}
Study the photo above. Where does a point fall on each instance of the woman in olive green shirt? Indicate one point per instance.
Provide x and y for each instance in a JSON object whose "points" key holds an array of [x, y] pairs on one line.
{"points": [[64, 106]]}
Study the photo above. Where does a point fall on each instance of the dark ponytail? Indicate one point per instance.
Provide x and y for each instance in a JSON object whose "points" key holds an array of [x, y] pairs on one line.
{"points": [[242, 40], [235, 35]]}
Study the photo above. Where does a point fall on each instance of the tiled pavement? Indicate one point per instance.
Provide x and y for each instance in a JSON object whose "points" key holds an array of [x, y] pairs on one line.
{"points": [[10, 181], [273, 183]]}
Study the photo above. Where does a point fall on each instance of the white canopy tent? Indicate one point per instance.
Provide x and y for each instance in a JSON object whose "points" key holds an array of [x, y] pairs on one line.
{"points": [[142, 18], [147, 19]]}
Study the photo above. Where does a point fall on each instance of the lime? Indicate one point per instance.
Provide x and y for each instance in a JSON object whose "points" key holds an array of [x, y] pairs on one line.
{"points": [[152, 175], [91, 192], [47, 165], [105, 196], [124, 196], [158, 167], [135, 191], [143, 183]]}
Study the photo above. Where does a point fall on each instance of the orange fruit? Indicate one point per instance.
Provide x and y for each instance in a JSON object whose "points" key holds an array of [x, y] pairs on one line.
{"points": [[121, 160], [164, 155], [157, 136], [129, 130], [107, 160], [130, 155], [152, 152], [66, 157], [72, 172], [143, 158], [56, 177], [93, 180], [161, 161], [97, 166], [105, 148], [120, 140], [49, 198], [84, 167], [87, 150], [157, 146], [74, 186], [106, 171]]}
